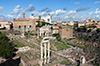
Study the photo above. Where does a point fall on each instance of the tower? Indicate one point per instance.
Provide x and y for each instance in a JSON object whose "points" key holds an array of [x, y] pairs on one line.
{"points": [[23, 15], [59, 23]]}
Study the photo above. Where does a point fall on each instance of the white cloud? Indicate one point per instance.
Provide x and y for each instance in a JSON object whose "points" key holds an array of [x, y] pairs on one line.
{"points": [[6, 17], [16, 10], [82, 9], [91, 13], [19, 15], [98, 16], [52, 13], [71, 12], [76, 2], [1, 8], [60, 12], [96, 2], [30, 8], [95, 12], [45, 10], [37, 13], [10, 16]]}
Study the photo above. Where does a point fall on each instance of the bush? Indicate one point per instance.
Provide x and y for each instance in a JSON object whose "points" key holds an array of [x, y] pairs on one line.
{"points": [[57, 36], [89, 30], [6, 47], [98, 30]]}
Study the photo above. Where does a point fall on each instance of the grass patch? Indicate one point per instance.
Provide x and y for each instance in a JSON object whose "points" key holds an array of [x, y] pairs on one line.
{"points": [[17, 43], [65, 62], [59, 46], [74, 44]]}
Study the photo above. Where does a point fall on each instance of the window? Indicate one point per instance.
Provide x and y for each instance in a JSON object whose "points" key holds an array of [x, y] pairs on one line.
{"points": [[19, 26], [66, 29], [30, 26], [48, 19], [24, 26]]}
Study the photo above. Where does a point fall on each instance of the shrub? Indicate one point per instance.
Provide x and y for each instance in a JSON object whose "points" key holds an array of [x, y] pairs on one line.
{"points": [[6, 47]]}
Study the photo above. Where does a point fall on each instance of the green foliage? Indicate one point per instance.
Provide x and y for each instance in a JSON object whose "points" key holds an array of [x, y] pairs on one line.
{"points": [[6, 47], [55, 24], [65, 62], [98, 30], [60, 46], [39, 17], [82, 29], [83, 26], [89, 30], [17, 43], [57, 36], [92, 26]]}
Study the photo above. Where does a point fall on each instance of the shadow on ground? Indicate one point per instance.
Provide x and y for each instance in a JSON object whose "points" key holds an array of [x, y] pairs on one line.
{"points": [[11, 62]]}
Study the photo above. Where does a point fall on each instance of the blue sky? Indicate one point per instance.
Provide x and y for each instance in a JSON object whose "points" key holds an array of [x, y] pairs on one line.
{"points": [[76, 10]]}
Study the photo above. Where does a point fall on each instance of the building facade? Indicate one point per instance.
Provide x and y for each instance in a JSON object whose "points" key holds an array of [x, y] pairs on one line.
{"points": [[55, 29], [5, 24], [21, 24], [71, 23], [66, 32], [45, 30]]}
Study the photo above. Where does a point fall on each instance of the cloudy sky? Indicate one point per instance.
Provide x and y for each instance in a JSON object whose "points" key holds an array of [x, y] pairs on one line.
{"points": [[66, 10]]}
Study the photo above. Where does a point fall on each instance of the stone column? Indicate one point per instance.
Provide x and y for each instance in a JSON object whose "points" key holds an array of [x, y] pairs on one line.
{"points": [[23, 32], [41, 54], [40, 33], [45, 53], [48, 52]]}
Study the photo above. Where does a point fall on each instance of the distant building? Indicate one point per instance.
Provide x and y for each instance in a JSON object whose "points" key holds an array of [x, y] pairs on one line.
{"points": [[21, 24], [71, 23], [55, 22], [89, 20], [45, 30], [55, 29], [64, 23], [59, 23], [81, 24], [66, 32], [5, 24], [90, 23]]}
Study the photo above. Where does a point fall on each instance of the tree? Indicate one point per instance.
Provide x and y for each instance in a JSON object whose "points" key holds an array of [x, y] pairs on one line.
{"points": [[57, 36], [89, 30], [6, 47], [39, 17], [98, 30], [94, 26], [90, 26]]}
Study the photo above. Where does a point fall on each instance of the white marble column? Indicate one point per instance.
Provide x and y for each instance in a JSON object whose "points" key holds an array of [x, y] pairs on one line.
{"points": [[48, 52], [41, 54], [45, 54], [40, 33]]}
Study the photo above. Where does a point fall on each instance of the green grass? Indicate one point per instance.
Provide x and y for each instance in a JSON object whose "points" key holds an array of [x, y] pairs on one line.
{"points": [[65, 62], [59, 46], [17, 43], [74, 44]]}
